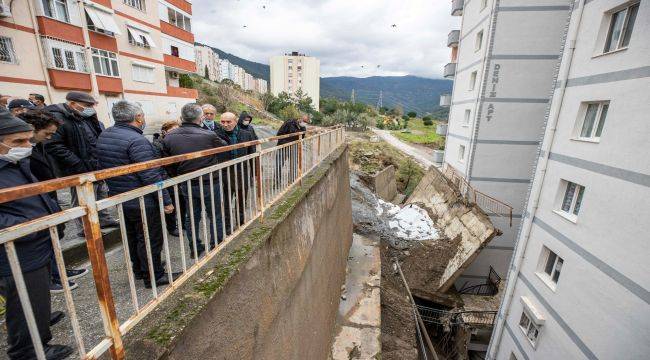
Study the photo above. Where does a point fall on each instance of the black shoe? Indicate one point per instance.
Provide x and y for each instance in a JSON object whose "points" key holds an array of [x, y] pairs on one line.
{"points": [[75, 273], [173, 232], [138, 275], [163, 280], [110, 223], [56, 317], [57, 352], [56, 287]]}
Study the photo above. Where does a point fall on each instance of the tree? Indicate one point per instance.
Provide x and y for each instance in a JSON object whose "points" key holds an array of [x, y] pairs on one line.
{"points": [[407, 174], [302, 101], [427, 121], [185, 81], [412, 114], [380, 123], [289, 112], [427, 118], [207, 73], [267, 99]]}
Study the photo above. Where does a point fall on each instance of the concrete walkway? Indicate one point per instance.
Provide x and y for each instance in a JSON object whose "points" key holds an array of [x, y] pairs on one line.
{"points": [[418, 154], [358, 328]]}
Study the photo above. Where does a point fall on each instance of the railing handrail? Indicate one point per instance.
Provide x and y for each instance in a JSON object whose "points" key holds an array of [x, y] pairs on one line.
{"points": [[43, 187]]}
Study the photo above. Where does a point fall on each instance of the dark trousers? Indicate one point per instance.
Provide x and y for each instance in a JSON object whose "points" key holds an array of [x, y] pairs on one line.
{"points": [[239, 186], [170, 219], [137, 246], [38, 288], [196, 211]]}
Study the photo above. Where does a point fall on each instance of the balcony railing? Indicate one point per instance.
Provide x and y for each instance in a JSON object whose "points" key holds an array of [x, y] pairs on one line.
{"points": [[449, 70], [445, 100], [489, 287], [457, 7], [453, 38], [441, 129], [270, 173]]}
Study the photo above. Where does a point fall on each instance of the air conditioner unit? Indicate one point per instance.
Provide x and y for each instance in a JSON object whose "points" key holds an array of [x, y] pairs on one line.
{"points": [[173, 75], [5, 11]]}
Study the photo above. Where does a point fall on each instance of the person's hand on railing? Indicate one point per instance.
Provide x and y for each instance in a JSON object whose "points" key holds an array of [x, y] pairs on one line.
{"points": [[168, 209]]}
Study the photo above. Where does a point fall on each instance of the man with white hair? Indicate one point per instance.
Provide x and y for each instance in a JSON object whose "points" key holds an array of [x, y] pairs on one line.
{"points": [[209, 114], [192, 137], [124, 144]]}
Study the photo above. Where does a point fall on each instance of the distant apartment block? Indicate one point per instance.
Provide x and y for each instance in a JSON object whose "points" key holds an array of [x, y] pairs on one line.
{"points": [[294, 71], [503, 62], [207, 60], [224, 66], [578, 287], [261, 86], [113, 49]]}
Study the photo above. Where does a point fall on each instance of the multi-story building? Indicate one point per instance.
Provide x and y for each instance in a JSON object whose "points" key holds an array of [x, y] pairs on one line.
{"points": [[296, 71], [249, 81], [112, 49], [207, 60], [261, 86], [224, 66], [578, 287], [504, 59]]}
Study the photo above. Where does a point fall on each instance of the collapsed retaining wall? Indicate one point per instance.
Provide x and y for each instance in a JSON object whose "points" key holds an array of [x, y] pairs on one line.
{"points": [[384, 184], [273, 293]]}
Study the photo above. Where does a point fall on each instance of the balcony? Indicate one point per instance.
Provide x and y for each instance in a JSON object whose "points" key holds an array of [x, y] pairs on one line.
{"points": [[449, 71], [445, 100], [452, 38], [182, 92], [177, 63], [441, 129], [457, 7]]}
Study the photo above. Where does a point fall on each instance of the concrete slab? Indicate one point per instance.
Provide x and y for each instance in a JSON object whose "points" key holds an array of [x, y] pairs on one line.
{"points": [[358, 329]]}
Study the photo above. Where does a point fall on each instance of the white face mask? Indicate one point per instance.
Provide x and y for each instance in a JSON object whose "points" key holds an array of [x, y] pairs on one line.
{"points": [[16, 154]]}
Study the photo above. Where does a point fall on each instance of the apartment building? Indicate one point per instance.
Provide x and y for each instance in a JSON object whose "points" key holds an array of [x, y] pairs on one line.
{"points": [[579, 286], [249, 82], [113, 49], [503, 62], [261, 86], [224, 66], [296, 71], [207, 61]]}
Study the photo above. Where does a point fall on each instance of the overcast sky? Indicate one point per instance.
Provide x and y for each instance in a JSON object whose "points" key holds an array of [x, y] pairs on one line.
{"points": [[343, 34]]}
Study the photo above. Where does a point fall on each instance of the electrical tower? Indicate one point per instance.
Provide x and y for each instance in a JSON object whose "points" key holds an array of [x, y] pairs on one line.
{"points": [[380, 102], [352, 97]]}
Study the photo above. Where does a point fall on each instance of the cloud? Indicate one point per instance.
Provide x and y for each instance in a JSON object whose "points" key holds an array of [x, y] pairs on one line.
{"points": [[344, 34]]}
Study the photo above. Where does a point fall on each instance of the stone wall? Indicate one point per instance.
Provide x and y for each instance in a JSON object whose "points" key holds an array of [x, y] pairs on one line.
{"points": [[273, 293], [384, 184]]}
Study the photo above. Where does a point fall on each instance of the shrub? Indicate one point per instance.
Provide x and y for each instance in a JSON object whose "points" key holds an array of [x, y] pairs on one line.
{"points": [[427, 122], [412, 114]]}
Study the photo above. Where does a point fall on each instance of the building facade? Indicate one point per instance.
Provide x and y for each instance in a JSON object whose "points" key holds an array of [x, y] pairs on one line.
{"points": [[261, 86], [578, 287], [224, 66], [113, 49], [207, 61], [296, 71], [502, 87]]}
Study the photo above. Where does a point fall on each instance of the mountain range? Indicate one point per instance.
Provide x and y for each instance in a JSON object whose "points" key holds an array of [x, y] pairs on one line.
{"points": [[411, 92]]}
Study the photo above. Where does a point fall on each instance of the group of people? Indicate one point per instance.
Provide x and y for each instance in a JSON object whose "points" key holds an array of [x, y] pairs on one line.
{"points": [[40, 142]]}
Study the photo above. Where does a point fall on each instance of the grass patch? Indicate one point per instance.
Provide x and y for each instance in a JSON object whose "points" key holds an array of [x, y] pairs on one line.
{"points": [[418, 133]]}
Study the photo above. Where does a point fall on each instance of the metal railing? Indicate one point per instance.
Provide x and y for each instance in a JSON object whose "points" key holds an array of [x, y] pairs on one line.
{"points": [[488, 288], [243, 189], [460, 317], [482, 200]]}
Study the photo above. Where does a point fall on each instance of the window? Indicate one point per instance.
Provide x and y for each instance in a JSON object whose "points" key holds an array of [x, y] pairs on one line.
{"points": [[142, 73], [572, 198], [56, 9], [472, 80], [549, 267], [290, 61], [105, 62], [594, 120], [478, 41], [299, 68], [621, 25], [530, 329], [7, 53], [174, 51], [140, 38], [64, 56], [179, 20], [461, 153], [138, 4], [468, 116]]}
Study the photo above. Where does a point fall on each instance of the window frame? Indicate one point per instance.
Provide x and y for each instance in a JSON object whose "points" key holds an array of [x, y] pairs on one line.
{"points": [[549, 267], [467, 119], [54, 10], [526, 329], [597, 127], [80, 63], [478, 41], [106, 59], [142, 80], [11, 50], [133, 4], [625, 29], [575, 198], [179, 20], [472, 80], [461, 153]]}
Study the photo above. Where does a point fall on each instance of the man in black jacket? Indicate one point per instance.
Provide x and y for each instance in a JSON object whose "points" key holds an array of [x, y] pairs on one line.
{"points": [[291, 126], [245, 123], [191, 137], [74, 143], [240, 174], [34, 250]]}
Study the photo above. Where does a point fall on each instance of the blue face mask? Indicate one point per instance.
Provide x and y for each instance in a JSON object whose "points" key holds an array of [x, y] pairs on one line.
{"points": [[88, 112]]}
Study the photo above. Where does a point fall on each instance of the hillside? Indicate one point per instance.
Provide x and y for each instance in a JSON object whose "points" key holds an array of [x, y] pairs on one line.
{"points": [[413, 93]]}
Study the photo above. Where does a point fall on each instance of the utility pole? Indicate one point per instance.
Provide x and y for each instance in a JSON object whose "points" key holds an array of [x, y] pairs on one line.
{"points": [[352, 97], [380, 102]]}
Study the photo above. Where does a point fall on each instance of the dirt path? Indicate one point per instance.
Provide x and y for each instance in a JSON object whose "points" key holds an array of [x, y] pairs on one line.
{"points": [[419, 154]]}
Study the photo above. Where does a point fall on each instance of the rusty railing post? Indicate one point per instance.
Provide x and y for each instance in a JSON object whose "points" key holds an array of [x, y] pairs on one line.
{"points": [[95, 244], [301, 141], [259, 180]]}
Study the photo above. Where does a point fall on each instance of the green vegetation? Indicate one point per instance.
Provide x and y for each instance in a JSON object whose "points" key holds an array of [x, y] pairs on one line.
{"points": [[419, 131]]}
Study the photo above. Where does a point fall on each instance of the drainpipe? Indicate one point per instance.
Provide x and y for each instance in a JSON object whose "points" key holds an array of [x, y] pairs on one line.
{"points": [[39, 48], [89, 56], [537, 185]]}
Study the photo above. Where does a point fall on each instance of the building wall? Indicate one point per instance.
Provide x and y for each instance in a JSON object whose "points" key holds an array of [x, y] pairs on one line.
{"points": [[599, 306], [29, 74], [289, 81], [514, 69]]}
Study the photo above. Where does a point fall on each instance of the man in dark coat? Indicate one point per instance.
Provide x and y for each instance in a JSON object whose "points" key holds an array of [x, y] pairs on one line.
{"points": [[191, 137], [34, 250], [124, 144], [244, 123], [290, 126], [240, 174], [74, 143], [43, 169]]}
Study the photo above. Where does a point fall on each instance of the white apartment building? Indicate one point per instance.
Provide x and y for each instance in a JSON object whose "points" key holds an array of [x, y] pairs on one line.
{"points": [[249, 81], [261, 86], [504, 59], [578, 286], [296, 71], [113, 49], [207, 61], [224, 72]]}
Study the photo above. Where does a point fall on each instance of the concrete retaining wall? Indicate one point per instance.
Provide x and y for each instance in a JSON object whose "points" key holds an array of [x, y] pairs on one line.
{"points": [[384, 184], [273, 293]]}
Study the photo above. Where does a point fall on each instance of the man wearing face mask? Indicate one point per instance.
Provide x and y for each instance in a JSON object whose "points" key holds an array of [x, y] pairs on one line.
{"points": [[244, 123], [209, 114], [124, 144], [74, 144], [34, 250]]}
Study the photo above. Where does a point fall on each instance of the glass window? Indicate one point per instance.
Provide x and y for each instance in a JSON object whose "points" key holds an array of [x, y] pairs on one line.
{"points": [[572, 198], [620, 28], [138, 4], [105, 63], [594, 120], [7, 53]]}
